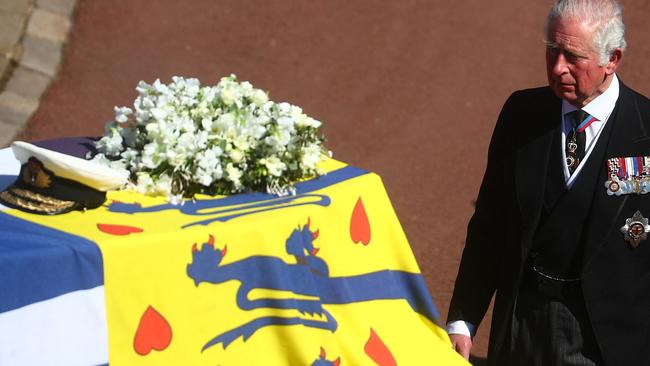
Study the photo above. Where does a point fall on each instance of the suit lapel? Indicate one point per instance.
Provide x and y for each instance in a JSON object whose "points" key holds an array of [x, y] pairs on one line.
{"points": [[531, 164], [555, 181], [628, 133]]}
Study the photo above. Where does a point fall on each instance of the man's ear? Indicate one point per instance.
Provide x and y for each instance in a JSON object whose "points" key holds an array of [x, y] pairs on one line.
{"points": [[614, 61]]}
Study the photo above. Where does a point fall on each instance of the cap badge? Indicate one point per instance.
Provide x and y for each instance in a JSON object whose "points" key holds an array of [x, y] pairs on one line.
{"points": [[35, 175]]}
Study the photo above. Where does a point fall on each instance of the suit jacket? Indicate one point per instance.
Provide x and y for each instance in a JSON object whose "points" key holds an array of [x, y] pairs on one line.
{"points": [[615, 277]]}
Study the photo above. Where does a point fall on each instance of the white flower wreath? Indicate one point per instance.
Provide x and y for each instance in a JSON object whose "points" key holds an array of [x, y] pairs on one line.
{"points": [[183, 138]]}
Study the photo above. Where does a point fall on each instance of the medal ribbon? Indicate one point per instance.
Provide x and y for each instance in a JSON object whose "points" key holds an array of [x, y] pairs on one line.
{"points": [[586, 123], [624, 168]]}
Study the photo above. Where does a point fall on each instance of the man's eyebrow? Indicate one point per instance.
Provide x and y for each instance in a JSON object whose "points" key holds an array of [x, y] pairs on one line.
{"points": [[550, 44]]}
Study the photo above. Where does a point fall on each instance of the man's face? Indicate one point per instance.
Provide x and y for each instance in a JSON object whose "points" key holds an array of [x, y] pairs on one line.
{"points": [[572, 66]]}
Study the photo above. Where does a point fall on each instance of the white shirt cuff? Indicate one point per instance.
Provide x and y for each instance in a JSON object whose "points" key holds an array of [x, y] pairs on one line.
{"points": [[461, 327]]}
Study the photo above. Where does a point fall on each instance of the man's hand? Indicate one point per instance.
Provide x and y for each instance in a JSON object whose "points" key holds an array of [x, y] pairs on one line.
{"points": [[462, 344]]}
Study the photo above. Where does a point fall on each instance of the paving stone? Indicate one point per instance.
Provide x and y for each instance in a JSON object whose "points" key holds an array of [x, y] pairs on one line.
{"points": [[7, 133], [11, 27], [41, 55], [27, 83], [16, 109], [65, 7], [48, 25], [15, 6]]}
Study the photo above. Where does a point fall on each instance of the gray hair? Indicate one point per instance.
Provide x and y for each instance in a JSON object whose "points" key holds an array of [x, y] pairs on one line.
{"points": [[605, 16]]}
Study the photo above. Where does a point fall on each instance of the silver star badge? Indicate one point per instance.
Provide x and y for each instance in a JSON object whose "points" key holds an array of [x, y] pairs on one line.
{"points": [[635, 229]]}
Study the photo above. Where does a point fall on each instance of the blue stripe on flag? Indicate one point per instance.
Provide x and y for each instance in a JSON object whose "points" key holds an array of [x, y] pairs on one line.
{"points": [[330, 178], [257, 202], [38, 263]]}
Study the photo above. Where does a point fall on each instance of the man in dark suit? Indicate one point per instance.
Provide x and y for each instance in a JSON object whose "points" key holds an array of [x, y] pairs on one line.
{"points": [[559, 231]]}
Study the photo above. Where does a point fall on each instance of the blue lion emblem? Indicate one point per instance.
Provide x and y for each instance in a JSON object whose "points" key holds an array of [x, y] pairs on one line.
{"points": [[307, 277]]}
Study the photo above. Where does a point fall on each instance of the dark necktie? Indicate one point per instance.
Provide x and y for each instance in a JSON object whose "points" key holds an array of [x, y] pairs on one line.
{"points": [[575, 141]]}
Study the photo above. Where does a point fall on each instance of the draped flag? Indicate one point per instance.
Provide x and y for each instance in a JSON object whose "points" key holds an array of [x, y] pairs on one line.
{"points": [[323, 277]]}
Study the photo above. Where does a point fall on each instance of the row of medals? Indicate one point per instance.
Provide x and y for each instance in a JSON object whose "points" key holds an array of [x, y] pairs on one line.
{"points": [[636, 227]]}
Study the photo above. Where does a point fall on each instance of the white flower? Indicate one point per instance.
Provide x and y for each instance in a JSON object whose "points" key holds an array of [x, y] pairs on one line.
{"points": [[259, 97], [111, 143], [284, 108], [258, 132], [117, 165], [210, 94], [159, 113], [286, 123], [144, 182], [184, 123], [122, 114], [224, 123], [206, 123], [175, 157], [163, 185], [234, 175], [142, 87], [152, 155], [209, 166], [159, 87], [279, 140], [128, 156], [311, 155], [236, 155], [228, 96], [274, 166]]}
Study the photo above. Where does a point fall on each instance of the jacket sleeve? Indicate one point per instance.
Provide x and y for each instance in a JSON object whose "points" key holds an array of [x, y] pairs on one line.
{"points": [[479, 266]]}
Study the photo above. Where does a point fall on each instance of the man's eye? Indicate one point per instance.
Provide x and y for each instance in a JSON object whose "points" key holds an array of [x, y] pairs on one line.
{"points": [[571, 57]]}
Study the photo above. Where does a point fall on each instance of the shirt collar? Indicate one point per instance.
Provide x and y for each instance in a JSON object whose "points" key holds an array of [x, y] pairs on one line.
{"points": [[602, 106]]}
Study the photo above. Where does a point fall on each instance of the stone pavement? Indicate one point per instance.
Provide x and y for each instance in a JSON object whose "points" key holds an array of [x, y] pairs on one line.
{"points": [[33, 34]]}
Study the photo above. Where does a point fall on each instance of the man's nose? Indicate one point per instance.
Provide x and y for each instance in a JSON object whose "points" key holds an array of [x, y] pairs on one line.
{"points": [[559, 64]]}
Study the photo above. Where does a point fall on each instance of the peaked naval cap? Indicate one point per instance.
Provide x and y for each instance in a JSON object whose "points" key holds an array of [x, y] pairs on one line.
{"points": [[51, 183]]}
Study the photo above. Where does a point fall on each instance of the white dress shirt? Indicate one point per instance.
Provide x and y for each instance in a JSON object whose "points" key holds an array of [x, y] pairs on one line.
{"points": [[600, 108]]}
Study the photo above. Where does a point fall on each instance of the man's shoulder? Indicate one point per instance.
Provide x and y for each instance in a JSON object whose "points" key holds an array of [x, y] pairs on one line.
{"points": [[526, 114], [627, 92], [539, 94], [527, 100]]}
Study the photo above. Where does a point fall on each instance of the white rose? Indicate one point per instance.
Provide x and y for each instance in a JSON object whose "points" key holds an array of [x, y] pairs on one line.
{"points": [[228, 96], [259, 97], [236, 155]]}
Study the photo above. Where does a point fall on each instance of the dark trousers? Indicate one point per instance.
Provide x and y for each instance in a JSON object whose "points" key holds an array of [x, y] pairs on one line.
{"points": [[550, 330]]}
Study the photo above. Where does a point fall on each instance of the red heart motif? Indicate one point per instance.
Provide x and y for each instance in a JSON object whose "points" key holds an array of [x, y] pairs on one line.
{"points": [[154, 333], [377, 350], [359, 224], [118, 229]]}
